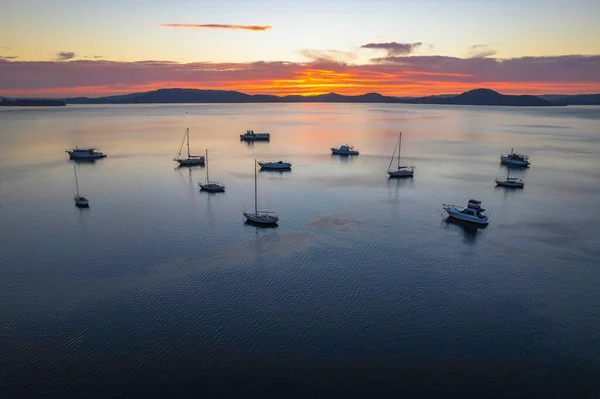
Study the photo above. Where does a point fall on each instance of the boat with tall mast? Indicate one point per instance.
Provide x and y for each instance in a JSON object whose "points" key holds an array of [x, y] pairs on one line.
{"points": [[401, 170], [513, 182], [191, 160], [80, 201], [262, 217], [212, 186]]}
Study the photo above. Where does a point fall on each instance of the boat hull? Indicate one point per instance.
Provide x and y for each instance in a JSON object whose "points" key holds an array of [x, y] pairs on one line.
{"points": [[455, 214], [336, 151], [191, 162], [85, 156], [513, 162], [275, 166], [81, 202], [401, 173], [212, 187], [261, 218], [511, 184], [256, 137]]}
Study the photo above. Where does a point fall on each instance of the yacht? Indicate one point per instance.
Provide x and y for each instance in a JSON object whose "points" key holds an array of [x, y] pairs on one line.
{"points": [[191, 160], [514, 182], [402, 170], [85, 153], [261, 218], [473, 213], [279, 165], [208, 185], [514, 159], [344, 150], [251, 136], [80, 201]]}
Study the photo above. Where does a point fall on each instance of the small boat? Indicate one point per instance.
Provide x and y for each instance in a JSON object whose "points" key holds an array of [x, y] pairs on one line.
{"points": [[344, 150], [514, 159], [510, 181], [191, 160], [401, 171], [251, 136], [212, 186], [473, 213], [80, 201], [85, 153], [262, 218], [279, 165]]}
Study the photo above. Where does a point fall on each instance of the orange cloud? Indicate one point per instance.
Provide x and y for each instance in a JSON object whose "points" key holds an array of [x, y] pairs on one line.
{"points": [[218, 26]]}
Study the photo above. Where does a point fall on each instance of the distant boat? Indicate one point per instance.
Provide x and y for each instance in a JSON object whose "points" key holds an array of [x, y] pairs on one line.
{"points": [[191, 159], [401, 171], [251, 136], [85, 153], [279, 165], [514, 159], [344, 150], [473, 213], [514, 182], [208, 185], [263, 218], [80, 201]]}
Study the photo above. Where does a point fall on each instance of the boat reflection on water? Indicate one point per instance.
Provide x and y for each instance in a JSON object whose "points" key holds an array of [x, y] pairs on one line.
{"points": [[260, 225], [470, 231]]}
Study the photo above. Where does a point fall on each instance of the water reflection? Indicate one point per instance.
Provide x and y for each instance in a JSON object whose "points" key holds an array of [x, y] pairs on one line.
{"points": [[470, 231], [260, 225], [344, 159]]}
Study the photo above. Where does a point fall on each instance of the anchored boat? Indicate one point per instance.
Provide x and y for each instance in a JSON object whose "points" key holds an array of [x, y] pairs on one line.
{"points": [[251, 136], [401, 171], [344, 150], [262, 217], [515, 159], [279, 165], [473, 213], [191, 160], [85, 154]]}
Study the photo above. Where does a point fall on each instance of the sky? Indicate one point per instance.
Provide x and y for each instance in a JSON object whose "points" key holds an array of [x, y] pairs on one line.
{"points": [[67, 48]]}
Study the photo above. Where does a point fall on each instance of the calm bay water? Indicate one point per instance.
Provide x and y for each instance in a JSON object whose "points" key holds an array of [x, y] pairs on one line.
{"points": [[364, 290]]}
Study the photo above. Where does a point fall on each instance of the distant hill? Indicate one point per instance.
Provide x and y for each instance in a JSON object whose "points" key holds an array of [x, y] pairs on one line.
{"points": [[580, 99], [24, 102], [182, 96]]}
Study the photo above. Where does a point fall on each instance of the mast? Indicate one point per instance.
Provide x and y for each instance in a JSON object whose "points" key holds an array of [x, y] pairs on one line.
{"points": [[206, 161], [76, 184], [188, 141], [399, 146], [392, 159], [255, 188]]}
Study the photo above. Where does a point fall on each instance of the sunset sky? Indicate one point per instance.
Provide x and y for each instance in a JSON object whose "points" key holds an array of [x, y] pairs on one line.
{"points": [[66, 48]]}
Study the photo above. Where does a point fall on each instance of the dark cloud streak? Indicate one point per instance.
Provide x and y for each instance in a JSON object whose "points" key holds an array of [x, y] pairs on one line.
{"points": [[64, 55], [218, 26], [393, 48]]}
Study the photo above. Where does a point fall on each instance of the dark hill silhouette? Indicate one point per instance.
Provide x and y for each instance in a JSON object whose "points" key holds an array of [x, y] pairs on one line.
{"points": [[491, 97], [580, 99], [30, 102]]}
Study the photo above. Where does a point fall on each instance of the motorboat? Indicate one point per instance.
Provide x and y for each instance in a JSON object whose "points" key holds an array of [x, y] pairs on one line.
{"points": [[279, 165], [80, 201], [401, 170], [85, 153], [514, 159], [344, 150], [473, 213], [262, 217], [513, 182], [191, 160], [251, 136], [208, 185]]}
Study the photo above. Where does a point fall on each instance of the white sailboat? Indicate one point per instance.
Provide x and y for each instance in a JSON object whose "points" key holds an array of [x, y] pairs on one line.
{"points": [[510, 181], [262, 218], [401, 171], [191, 160], [80, 201], [208, 185]]}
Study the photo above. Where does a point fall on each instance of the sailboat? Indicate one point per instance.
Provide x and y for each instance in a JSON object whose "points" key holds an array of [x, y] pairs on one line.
{"points": [[263, 218], [401, 171], [191, 159], [80, 201], [208, 185], [511, 181]]}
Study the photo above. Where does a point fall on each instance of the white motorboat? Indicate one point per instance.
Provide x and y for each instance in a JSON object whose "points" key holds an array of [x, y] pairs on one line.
{"points": [[210, 185], [262, 217], [191, 160], [80, 201], [344, 150], [514, 159], [401, 170], [473, 213], [85, 153], [514, 182], [251, 136], [279, 165]]}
